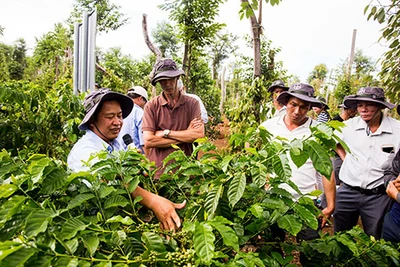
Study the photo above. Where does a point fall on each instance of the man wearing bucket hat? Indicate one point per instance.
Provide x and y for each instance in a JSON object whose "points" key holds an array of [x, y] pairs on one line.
{"points": [[133, 123], [321, 110], [295, 124], [391, 222], [105, 111], [345, 114], [371, 137], [276, 88], [171, 118]]}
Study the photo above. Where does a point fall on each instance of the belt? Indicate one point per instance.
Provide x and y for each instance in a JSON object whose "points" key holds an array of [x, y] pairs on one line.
{"points": [[379, 190]]}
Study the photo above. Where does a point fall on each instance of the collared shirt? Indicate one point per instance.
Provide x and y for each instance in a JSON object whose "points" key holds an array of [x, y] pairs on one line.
{"points": [[280, 112], [362, 167], [159, 115], [88, 144], [306, 177], [203, 110], [133, 126]]}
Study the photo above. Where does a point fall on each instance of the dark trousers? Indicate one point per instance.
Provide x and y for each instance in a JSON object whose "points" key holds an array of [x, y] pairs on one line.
{"points": [[391, 230], [350, 204], [336, 164]]}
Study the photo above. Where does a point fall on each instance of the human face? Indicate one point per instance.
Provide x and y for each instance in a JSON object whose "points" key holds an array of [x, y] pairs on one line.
{"points": [[277, 91], [169, 85], [352, 112], [368, 110], [109, 121], [317, 110], [297, 110]]}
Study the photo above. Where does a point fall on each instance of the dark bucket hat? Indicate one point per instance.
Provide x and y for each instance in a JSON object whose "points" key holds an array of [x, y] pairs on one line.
{"points": [[302, 91], [277, 84], [93, 100], [165, 69], [323, 102], [370, 94], [344, 106]]}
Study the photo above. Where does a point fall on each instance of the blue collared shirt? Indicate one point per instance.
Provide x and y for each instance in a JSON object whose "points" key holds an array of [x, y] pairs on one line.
{"points": [[133, 126], [89, 144]]}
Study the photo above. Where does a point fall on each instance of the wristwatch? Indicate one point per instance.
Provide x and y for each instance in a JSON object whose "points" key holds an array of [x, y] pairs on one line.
{"points": [[166, 133]]}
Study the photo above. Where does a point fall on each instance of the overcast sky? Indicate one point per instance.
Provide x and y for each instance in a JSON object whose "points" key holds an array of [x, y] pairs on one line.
{"points": [[309, 32]]}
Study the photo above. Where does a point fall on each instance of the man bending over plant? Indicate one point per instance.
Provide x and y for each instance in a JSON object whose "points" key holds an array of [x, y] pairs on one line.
{"points": [[105, 111]]}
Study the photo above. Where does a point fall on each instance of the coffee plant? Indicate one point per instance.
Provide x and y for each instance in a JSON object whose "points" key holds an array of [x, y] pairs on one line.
{"points": [[235, 212]]}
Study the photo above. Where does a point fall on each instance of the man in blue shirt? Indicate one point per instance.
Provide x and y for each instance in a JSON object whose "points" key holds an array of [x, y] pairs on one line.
{"points": [[105, 111], [133, 123]]}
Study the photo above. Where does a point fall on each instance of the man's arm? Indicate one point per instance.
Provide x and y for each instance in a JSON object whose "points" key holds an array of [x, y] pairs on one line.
{"points": [[157, 139], [330, 194], [162, 208], [340, 151]]}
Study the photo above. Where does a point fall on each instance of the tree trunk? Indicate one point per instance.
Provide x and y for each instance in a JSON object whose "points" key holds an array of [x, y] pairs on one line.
{"points": [[152, 48], [256, 31]]}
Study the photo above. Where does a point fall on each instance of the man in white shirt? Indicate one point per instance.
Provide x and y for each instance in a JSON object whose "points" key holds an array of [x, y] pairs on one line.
{"points": [[295, 124], [105, 111], [204, 115], [371, 137], [276, 88]]}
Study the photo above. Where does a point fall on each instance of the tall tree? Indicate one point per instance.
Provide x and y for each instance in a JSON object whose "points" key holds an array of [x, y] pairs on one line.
{"points": [[388, 14], [317, 76], [165, 36], [18, 63], [221, 48], [197, 27], [248, 10], [109, 17]]}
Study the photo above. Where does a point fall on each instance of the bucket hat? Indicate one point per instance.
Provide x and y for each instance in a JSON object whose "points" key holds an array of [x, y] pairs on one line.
{"points": [[344, 106], [277, 84], [323, 102], [165, 69], [370, 94], [139, 91], [302, 91], [92, 102]]}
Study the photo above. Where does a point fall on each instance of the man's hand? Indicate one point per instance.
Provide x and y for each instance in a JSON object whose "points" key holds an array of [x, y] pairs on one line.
{"points": [[165, 212], [327, 212], [391, 190], [195, 124], [396, 183]]}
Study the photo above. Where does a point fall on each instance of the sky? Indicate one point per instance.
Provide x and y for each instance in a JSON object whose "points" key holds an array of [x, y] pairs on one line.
{"points": [[308, 32]]}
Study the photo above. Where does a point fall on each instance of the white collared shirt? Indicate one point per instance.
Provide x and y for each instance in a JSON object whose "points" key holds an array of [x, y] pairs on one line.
{"points": [[306, 177], [204, 115], [363, 166], [88, 144]]}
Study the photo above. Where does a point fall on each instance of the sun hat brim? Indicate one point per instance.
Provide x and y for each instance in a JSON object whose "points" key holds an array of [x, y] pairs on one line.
{"points": [[166, 75], [284, 98], [351, 101], [125, 102]]}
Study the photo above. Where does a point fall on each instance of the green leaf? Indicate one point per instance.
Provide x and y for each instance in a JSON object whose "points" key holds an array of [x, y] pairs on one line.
{"points": [[79, 199], [7, 190], [8, 247], [116, 201], [126, 220], [225, 162], [256, 210], [290, 223], [71, 227], [281, 166], [133, 184], [320, 158], [307, 216], [54, 179], [153, 242], [91, 242], [66, 262], [37, 167], [203, 241], [348, 242], [9, 208], [37, 222], [229, 236], [106, 190], [236, 189], [18, 258], [212, 200], [72, 245]]}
